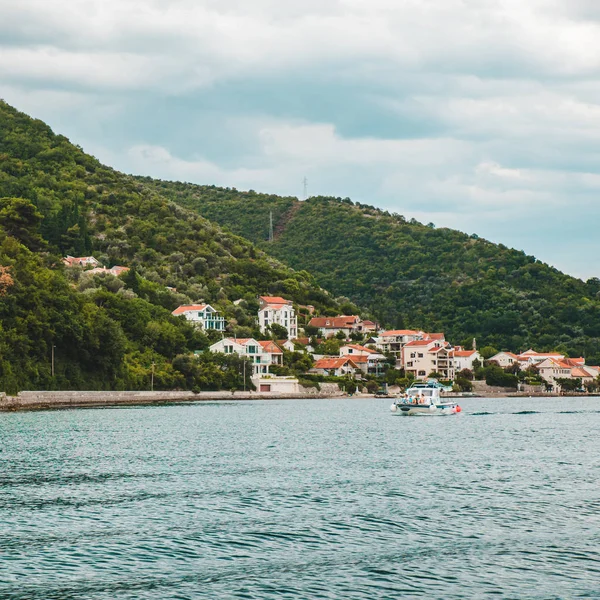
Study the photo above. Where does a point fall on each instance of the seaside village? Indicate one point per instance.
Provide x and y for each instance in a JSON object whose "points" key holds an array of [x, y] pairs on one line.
{"points": [[346, 348]]}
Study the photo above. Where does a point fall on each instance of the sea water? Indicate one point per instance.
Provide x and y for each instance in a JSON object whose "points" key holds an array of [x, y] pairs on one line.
{"points": [[302, 499]]}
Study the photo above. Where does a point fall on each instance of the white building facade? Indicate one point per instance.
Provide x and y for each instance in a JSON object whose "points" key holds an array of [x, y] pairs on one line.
{"points": [[274, 309], [203, 315], [262, 357]]}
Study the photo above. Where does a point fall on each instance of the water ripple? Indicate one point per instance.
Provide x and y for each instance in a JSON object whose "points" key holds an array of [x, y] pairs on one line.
{"points": [[316, 499]]}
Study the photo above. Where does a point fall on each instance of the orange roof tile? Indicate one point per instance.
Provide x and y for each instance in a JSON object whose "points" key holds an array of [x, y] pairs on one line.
{"points": [[180, 310], [340, 322], [400, 332], [334, 363], [275, 300], [271, 347]]}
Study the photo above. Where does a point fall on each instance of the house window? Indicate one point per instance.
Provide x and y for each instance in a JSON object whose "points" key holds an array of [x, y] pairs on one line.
{"points": [[350, 351], [413, 355], [420, 355], [422, 373], [252, 350]]}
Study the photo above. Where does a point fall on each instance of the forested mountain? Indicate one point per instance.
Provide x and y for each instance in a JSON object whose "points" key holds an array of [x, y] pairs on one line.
{"points": [[413, 275], [107, 332]]}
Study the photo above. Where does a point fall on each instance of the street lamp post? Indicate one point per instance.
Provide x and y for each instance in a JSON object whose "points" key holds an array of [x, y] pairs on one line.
{"points": [[152, 378], [53, 346]]}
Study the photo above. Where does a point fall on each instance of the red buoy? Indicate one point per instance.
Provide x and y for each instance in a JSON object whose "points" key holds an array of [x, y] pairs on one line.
{"points": [[458, 408]]}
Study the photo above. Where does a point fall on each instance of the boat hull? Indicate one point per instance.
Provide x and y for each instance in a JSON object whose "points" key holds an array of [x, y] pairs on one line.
{"points": [[410, 410]]}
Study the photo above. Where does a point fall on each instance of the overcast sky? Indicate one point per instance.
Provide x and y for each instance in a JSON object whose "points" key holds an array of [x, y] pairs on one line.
{"points": [[483, 115]]}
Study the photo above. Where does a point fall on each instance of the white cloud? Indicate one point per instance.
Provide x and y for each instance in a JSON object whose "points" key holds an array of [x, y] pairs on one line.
{"points": [[481, 114]]}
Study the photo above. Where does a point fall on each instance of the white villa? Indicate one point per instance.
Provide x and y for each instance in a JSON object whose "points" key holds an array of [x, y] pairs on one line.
{"points": [[422, 357], [336, 366], [552, 369], [393, 341], [367, 360], [505, 359], [464, 359], [274, 309], [262, 354], [331, 326], [203, 315], [80, 261]]}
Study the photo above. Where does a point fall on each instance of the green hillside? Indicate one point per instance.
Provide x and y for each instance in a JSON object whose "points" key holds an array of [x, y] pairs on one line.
{"points": [[413, 275], [57, 200]]}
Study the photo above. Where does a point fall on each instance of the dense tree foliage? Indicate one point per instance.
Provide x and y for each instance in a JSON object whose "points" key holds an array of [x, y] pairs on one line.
{"points": [[413, 275], [107, 333]]}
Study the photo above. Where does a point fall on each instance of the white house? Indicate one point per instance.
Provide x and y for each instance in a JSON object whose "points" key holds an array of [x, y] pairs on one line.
{"points": [[422, 357], [357, 350], [331, 326], [505, 359], [274, 309], [464, 359], [552, 369], [203, 315], [80, 261], [272, 384], [262, 354], [335, 366], [531, 357], [392, 341], [367, 360]]}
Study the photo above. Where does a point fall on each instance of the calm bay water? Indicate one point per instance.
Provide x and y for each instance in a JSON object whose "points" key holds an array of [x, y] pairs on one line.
{"points": [[302, 499]]}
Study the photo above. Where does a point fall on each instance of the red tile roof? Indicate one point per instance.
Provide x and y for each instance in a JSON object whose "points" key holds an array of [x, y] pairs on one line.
{"points": [[580, 372], [275, 300], [418, 343], [400, 332], [270, 347], [180, 310], [464, 353], [340, 322], [434, 336], [357, 358], [334, 363], [360, 348]]}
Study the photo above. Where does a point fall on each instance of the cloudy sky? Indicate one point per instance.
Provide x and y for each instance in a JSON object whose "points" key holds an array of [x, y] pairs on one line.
{"points": [[483, 115]]}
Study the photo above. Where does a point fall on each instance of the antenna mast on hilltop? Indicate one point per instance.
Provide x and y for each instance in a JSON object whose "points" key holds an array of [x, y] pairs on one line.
{"points": [[271, 226], [305, 183]]}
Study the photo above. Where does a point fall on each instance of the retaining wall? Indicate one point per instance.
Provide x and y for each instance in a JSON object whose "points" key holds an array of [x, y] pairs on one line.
{"points": [[36, 400]]}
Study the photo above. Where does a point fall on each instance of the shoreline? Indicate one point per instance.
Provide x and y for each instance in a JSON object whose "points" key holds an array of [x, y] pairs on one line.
{"points": [[41, 400]]}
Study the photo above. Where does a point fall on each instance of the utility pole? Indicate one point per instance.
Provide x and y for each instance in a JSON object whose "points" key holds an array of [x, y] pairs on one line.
{"points": [[244, 368], [53, 346], [271, 226], [305, 183], [152, 378]]}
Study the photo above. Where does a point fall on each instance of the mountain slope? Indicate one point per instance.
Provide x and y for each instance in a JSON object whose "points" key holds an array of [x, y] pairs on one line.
{"points": [[412, 275], [57, 200]]}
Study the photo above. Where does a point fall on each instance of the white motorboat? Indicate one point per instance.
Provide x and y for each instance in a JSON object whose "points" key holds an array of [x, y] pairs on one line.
{"points": [[424, 399]]}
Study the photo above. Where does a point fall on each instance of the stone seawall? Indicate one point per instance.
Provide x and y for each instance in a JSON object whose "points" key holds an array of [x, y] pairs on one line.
{"points": [[40, 400]]}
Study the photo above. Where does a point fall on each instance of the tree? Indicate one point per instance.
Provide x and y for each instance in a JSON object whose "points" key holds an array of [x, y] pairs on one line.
{"points": [[568, 384], [466, 374], [278, 332], [488, 351], [20, 219]]}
